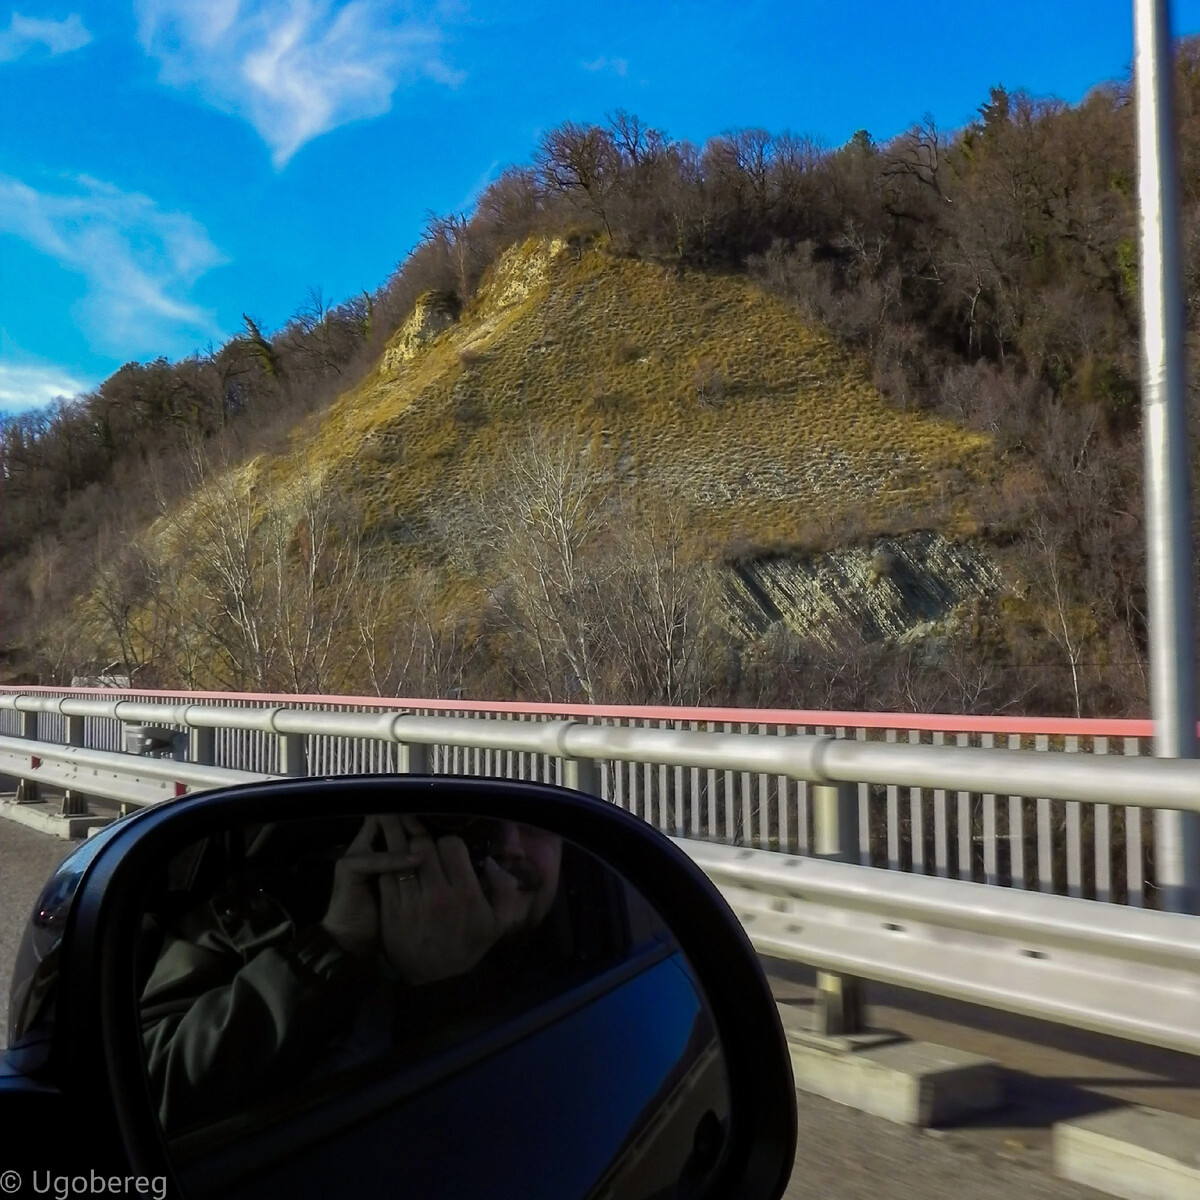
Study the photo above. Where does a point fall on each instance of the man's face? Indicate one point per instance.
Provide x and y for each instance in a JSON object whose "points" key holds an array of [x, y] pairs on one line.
{"points": [[533, 857]]}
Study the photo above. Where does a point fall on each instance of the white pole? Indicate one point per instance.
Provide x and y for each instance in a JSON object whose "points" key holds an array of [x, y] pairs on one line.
{"points": [[1165, 433]]}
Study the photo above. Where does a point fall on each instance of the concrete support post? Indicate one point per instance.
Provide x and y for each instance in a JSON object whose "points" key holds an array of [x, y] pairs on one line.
{"points": [[293, 761], [414, 758], [27, 790], [74, 804], [202, 746], [835, 822], [582, 775], [839, 1009]]}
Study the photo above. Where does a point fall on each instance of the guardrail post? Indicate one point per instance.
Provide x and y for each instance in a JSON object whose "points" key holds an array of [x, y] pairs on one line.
{"points": [[27, 790], [413, 758], [839, 1009], [293, 761], [202, 746], [74, 804], [582, 775]]}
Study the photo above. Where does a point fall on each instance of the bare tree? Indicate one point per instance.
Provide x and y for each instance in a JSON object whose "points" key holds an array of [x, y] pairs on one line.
{"points": [[1062, 618], [316, 567], [237, 598], [134, 612], [583, 164], [535, 529], [409, 645], [662, 608], [452, 238]]}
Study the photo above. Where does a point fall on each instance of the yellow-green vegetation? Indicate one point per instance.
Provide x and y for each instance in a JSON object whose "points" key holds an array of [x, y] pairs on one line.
{"points": [[698, 385], [763, 432]]}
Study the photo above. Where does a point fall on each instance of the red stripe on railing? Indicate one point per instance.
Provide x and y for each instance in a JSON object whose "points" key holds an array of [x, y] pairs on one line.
{"points": [[1084, 727]]}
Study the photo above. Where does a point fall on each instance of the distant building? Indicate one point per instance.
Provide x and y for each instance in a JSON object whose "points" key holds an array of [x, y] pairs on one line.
{"points": [[103, 677]]}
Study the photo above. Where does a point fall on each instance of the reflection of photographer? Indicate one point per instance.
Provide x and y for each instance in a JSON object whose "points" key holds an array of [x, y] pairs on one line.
{"points": [[418, 931], [432, 911]]}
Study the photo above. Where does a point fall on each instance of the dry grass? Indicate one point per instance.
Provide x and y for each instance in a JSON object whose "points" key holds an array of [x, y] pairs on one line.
{"points": [[794, 437]]}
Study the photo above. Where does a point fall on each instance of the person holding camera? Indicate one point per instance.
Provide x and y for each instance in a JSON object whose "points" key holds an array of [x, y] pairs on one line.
{"points": [[421, 933], [431, 911]]}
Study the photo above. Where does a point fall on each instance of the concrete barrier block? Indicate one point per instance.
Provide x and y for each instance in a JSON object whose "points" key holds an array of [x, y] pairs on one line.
{"points": [[49, 820], [912, 1083], [1134, 1152]]}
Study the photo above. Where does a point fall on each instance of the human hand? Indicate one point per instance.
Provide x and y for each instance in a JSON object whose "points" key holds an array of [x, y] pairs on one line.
{"points": [[352, 919], [441, 920]]}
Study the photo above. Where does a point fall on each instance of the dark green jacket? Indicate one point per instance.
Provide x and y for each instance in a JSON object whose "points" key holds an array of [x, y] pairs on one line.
{"points": [[240, 1006]]}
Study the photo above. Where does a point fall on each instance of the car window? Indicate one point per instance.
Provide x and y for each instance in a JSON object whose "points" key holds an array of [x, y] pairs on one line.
{"points": [[252, 1009]]}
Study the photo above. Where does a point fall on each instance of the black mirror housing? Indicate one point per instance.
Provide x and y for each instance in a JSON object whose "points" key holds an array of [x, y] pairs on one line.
{"points": [[90, 1057]]}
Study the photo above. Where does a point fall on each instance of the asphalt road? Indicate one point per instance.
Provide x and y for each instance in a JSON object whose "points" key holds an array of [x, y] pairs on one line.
{"points": [[843, 1154], [26, 860]]}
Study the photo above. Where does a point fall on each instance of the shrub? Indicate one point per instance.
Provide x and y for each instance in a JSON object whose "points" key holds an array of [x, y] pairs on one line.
{"points": [[627, 351], [710, 387]]}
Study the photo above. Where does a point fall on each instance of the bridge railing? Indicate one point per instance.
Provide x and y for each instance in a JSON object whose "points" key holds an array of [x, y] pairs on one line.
{"points": [[982, 833]]}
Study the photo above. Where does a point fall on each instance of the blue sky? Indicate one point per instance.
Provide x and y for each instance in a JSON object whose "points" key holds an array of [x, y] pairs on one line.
{"points": [[166, 165]]}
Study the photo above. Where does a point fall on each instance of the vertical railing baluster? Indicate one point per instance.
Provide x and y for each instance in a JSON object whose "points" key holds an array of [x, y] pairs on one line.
{"points": [[1074, 835], [1102, 827], [1134, 857], [680, 789], [730, 806], [864, 812], [664, 822], [966, 856], [991, 872], [1045, 830], [893, 818], [747, 838], [916, 809], [941, 821], [783, 792], [764, 803], [1016, 827], [802, 808]]}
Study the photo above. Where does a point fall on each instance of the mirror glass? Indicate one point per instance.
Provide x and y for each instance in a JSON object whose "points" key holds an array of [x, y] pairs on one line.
{"points": [[422, 1005]]}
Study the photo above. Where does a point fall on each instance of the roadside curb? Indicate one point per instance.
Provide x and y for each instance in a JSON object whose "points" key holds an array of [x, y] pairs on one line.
{"points": [[1134, 1152], [888, 1075]]}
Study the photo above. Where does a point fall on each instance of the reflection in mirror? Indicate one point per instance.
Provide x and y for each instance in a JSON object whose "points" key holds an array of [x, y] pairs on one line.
{"points": [[461, 1006]]}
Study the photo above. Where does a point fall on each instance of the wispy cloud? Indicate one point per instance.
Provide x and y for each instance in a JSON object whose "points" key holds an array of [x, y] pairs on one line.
{"points": [[468, 202], [618, 66], [24, 385], [294, 69], [138, 260], [58, 37]]}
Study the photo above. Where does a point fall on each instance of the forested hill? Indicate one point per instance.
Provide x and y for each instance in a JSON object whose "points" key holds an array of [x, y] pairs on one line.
{"points": [[981, 283]]}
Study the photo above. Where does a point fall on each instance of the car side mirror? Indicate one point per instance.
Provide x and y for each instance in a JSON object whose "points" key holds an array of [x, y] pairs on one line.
{"points": [[439, 985]]}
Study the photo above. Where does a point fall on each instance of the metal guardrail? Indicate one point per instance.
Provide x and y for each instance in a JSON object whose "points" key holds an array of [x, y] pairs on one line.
{"points": [[1153, 783], [1125, 972], [1128, 973], [1078, 822], [130, 780]]}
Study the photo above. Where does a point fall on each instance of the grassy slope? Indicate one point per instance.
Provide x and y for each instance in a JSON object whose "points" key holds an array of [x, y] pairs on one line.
{"points": [[799, 453], [610, 349]]}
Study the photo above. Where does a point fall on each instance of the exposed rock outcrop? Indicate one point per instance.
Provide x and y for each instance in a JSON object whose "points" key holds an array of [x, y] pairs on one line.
{"points": [[897, 589], [433, 312]]}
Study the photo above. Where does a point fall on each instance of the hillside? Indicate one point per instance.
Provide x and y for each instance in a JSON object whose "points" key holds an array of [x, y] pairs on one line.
{"points": [[757, 421], [700, 394], [703, 387]]}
